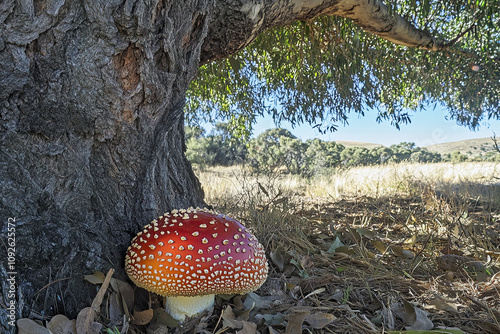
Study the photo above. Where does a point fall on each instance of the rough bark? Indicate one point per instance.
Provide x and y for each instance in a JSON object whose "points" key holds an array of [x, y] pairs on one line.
{"points": [[260, 15], [91, 125], [91, 141]]}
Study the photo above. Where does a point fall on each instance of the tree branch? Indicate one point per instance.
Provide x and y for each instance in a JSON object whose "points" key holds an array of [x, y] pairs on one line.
{"points": [[496, 145], [247, 21], [376, 18]]}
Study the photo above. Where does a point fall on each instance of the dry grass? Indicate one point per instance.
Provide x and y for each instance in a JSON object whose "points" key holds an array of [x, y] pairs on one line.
{"points": [[421, 233], [364, 250], [471, 179]]}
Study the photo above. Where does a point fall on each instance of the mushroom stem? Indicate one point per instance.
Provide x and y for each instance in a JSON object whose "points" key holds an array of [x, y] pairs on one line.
{"points": [[180, 307]]}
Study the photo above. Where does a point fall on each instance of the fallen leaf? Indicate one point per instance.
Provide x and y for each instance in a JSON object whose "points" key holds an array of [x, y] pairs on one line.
{"points": [[336, 244], [125, 290], [142, 317], [115, 310], [253, 300], [85, 323], [59, 324], [421, 321], [345, 250], [452, 262], [490, 327], [272, 330], [161, 317], [271, 319], [441, 304], [379, 245], [96, 278], [28, 326], [229, 319], [410, 313], [315, 292], [401, 252], [319, 320], [248, 328], [364, 232], [411, 240], [295, 321], [278, 259]]}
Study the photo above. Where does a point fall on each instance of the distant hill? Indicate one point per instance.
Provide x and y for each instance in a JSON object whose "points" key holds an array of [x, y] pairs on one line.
{"points": [[471, 147], [346, 143]]}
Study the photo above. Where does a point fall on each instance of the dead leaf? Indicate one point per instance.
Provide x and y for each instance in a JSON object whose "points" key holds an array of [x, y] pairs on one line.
{"points": [[96, 278], [28, 326], [364, 232], [401, 252], [319, 320], [142, 317], [315, 292], [272, 330], [336, 244], [410, 313], [379, 245], [161, 317], [229, 319], [278, 259], [411, 240], [125, 290], [253, 300], [271, 319], [85, 323], [441, 304], [416, 318], [345, 250], [248, 328], [490, 327], [295, 321], [456, 263], [59, 324], [115, 309]]}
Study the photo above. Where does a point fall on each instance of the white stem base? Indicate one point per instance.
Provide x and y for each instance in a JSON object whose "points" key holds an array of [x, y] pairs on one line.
{"points": [[181, 307]]}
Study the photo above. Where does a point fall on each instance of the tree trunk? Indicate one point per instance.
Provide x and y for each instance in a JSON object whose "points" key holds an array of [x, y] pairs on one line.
{"points": [[91, 126], [92, 137]]}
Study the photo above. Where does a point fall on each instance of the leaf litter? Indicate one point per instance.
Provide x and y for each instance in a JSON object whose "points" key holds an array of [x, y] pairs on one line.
{"points": [[353, 266]]}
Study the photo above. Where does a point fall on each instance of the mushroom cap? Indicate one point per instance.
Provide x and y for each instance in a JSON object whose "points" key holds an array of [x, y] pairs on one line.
{"points": [[196, 252]]}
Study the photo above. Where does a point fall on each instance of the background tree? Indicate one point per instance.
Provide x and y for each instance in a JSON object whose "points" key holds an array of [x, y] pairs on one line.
{"points": [[356, 156], [318, 71], [273, 150], [321, 156], [92, 98]]}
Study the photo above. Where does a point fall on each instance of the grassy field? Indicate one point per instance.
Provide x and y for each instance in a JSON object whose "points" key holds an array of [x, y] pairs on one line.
{"points": [[369, 249], [472, 147], [224, 184], [407, 248]]}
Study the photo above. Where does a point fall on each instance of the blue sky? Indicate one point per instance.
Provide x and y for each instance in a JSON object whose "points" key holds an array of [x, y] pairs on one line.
{"points": [[427, 127]]}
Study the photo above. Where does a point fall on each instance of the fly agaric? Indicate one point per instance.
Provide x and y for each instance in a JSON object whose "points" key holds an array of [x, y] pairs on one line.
{"points": [[191, 255]]}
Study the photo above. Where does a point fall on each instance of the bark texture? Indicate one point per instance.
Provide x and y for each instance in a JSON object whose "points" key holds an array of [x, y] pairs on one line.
{"points": [[91, 125], [91, 141]]}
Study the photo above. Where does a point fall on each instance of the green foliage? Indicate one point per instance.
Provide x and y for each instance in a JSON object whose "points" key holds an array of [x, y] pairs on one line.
{"points": [[278, 150], [221, 147], [319, 71], [356, 156], [457, 157], [321, 155]]}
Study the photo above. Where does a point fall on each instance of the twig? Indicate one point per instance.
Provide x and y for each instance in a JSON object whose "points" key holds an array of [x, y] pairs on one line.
{"points": [[459, 36], [496, 146]]}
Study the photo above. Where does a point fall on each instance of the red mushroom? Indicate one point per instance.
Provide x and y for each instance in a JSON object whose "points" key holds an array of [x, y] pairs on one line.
{"points": [[191, 255]]}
